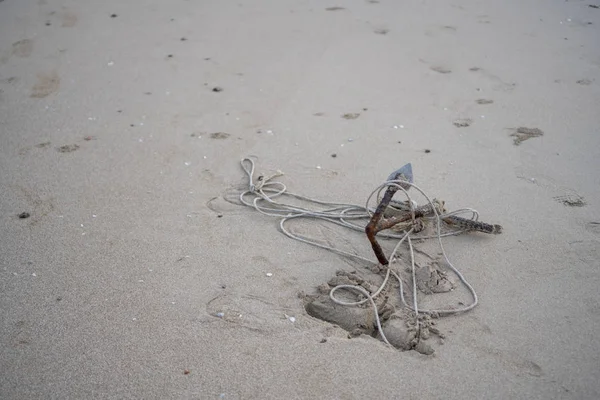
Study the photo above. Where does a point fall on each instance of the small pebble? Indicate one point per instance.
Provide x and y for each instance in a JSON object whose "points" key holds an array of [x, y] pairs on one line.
{"points": [[269, 274], [24, 215], [220, 314], [334, 155], [427, 151], [217, 89]]}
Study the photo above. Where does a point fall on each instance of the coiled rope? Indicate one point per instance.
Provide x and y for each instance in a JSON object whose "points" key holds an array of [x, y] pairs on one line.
{"points": [[266, 190]]}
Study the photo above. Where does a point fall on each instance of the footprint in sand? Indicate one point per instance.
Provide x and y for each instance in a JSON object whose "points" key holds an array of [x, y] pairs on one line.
{"points": [[22, 48], [69, 19], [47, 83]]}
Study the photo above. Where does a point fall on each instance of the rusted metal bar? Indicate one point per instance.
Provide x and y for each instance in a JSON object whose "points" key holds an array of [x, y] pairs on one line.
{"points": [[371, 229], [375, 225]]}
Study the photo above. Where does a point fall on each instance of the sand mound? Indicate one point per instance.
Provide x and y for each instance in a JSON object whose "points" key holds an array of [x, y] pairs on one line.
{"points": [[399, 325]]}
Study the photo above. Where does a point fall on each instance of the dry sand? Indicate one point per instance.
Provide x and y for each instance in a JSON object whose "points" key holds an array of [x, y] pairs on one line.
{"points": [[110, 288]]}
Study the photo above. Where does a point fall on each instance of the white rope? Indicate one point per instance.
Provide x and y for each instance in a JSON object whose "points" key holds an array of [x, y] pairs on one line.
{"points": [[266, 190]]}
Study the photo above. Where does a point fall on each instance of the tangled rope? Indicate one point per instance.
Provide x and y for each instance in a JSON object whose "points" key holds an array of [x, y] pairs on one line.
{"points": [[265, 191]]}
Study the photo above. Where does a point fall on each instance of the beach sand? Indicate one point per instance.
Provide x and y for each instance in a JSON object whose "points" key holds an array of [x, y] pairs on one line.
{"points": [[122, 127]]}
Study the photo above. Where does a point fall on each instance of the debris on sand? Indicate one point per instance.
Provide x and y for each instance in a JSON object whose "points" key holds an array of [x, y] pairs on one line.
{"points": [[571, 200], [441, 69], [463, 122], [390, 299], [381, 31], [522, 133], [68, 148], [219, 135]]}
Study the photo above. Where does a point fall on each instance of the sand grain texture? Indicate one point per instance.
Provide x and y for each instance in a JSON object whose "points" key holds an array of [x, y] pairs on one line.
{"points": [[110, 289]]}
